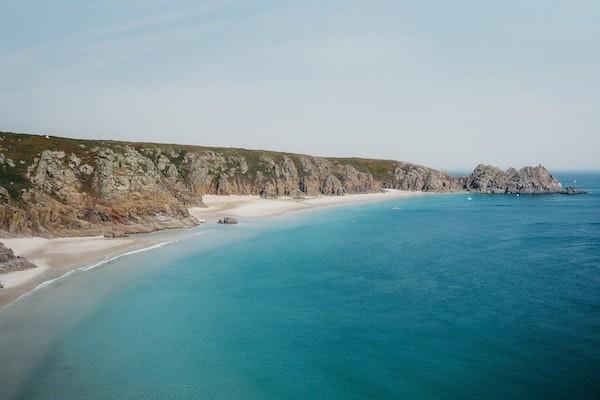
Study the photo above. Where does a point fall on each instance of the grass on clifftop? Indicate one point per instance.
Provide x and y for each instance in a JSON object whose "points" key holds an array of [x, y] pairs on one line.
{"points": [[23, 148]]}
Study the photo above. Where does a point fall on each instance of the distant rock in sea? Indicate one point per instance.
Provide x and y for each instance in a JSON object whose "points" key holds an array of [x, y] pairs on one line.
{"points": [[573, 190], [10, 263]]}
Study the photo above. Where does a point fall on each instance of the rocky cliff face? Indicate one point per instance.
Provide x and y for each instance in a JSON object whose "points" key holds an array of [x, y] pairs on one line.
{"points": [[415, 177], [57, 186], [528, 180]]}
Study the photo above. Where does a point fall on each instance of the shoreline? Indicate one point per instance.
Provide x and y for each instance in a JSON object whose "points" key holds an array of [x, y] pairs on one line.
{"points": [[253, 206], [58, 257]]}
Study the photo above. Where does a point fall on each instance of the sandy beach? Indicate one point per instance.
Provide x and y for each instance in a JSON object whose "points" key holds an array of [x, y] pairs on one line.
{"points": [[255, 207], [56, 257]]}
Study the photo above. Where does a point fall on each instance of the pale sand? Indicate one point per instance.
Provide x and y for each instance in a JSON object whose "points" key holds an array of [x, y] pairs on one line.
{"points": [[255, 206], [14, 279], [55, 257]]}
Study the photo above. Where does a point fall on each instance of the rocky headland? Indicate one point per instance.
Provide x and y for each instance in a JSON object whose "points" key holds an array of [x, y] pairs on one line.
{"points": [[527, 180], [51, 186]]}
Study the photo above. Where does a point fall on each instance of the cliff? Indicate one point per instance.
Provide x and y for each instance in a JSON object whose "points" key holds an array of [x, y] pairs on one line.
{"points": [[52, 186]]}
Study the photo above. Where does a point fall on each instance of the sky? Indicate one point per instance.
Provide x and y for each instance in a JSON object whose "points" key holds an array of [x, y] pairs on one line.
{"points": [[448, 84]]}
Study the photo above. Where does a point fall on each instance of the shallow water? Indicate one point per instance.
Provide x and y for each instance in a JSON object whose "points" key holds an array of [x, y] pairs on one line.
{"points": [[425, 298]]}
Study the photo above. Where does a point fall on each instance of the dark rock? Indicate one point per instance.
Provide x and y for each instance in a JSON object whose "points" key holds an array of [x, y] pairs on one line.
{"points": [[228, 221], [573, 190], [116, 234], [9, 262]]}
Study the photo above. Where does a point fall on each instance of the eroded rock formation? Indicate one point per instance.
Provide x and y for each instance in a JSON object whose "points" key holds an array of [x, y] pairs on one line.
{"points": [[527, 180]]}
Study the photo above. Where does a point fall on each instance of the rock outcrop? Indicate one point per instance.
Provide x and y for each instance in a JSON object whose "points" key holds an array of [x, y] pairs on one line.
{"points": [[61, 187], [227, 221], [10, 263], [527, 180], [573, 190], [409, 176]]}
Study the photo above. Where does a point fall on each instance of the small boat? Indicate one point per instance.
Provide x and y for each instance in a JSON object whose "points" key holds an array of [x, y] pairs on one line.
{"points": [[469, 198]]}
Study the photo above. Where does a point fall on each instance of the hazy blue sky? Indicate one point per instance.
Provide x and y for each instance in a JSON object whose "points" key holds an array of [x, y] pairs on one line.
{"points": [[443, 83]]}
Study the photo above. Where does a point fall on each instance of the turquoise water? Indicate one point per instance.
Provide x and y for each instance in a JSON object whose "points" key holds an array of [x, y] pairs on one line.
{"points": [[435, 297]]}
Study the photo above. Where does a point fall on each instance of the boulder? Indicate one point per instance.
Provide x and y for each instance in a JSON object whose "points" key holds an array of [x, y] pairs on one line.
{"points": [[115, 234], [227, 221], [573, 190]]}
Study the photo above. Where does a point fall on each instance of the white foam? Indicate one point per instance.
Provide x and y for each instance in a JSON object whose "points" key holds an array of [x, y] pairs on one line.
{"points": [[137, 251], [41, 285], [100, 263], [127, 253]]}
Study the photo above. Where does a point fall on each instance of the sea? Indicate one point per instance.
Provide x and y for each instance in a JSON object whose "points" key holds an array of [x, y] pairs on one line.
{"points": [[444, 296]]}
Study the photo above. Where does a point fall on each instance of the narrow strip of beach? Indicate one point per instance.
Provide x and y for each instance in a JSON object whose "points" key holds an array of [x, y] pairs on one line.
{"points": [[58, 256], [248, 206]]}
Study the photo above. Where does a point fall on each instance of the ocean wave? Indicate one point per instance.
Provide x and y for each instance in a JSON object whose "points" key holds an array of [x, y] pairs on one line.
{"points": [[42, 285], [137, 251], [127, 253], [100, 263]]}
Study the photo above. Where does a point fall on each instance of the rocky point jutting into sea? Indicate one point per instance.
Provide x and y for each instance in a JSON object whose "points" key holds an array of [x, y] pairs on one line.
{"points": [[51, 186]]}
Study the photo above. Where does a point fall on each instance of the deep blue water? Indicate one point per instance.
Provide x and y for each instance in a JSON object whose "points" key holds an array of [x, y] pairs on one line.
{"points": [[435, 297]]}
